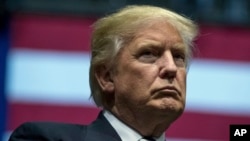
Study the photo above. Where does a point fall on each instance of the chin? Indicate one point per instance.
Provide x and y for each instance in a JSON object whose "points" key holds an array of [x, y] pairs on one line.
{"points": [[171, 106]]}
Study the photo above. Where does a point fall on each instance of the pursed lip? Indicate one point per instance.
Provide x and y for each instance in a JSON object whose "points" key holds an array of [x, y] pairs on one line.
{"points": [[167, 91]]}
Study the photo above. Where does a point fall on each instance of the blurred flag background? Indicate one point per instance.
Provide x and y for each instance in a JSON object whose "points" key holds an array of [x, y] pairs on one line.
{"points": [[44, 62]]}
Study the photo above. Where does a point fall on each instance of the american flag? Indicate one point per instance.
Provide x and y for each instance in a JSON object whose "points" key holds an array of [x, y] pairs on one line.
{"points": [[47, 77]]}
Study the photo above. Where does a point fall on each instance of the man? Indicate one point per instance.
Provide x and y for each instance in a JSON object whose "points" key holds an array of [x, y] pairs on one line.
{"points": [[138, 72]]}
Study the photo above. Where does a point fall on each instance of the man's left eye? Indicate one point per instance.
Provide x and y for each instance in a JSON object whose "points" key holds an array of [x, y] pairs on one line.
{"points": [[179, 59], [179, 56]]}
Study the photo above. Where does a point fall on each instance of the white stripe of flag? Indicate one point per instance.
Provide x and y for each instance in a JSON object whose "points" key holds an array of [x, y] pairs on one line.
{"points": [[53, 77]]}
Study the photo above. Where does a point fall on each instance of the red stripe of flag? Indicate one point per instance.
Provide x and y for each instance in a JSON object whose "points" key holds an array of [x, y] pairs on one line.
{"points": [[50, 32], [227, 43], [20, 112], [73, 34]]}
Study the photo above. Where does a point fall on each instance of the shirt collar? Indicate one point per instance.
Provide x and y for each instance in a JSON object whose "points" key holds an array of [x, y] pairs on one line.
{"points": [[125, 132]]}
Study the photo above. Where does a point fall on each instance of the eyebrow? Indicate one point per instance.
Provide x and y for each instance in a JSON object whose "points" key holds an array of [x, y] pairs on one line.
{"points": [[149, 43], [156, 44], [179, 47]]}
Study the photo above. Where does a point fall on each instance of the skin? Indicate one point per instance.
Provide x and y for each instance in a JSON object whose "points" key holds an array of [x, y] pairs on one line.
{"points": [[148, 86]]}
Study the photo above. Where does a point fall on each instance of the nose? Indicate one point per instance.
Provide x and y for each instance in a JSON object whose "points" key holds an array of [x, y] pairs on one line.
{"points": [[168, 68]]}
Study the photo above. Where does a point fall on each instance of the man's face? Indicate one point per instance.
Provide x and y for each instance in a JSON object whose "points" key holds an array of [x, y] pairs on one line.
{"points": [[150, 75]]}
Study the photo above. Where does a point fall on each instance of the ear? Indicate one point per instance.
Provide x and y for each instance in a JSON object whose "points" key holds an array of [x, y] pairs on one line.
{"points": [[105, 80]]}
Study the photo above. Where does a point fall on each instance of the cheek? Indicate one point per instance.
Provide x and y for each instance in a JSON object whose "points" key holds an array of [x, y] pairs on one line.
{"points": [[145, 77], [182, 78], [136, 79], [140, 72]]}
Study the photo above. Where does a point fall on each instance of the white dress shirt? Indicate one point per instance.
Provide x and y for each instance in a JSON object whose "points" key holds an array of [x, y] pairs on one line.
{"points": [[125, 132]]}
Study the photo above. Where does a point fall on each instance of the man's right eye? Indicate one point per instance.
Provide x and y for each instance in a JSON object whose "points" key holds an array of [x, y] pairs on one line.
{"points": [[148, 56]]}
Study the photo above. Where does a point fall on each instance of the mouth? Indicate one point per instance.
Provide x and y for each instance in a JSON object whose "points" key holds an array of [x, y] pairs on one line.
{"points": [[168, 91]]}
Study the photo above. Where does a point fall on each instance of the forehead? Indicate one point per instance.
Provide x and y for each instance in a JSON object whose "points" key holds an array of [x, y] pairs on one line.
{"points": [[158, 33]]}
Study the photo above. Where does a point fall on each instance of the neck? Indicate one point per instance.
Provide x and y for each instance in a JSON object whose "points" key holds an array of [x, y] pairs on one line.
{"points": [[144, 124]]}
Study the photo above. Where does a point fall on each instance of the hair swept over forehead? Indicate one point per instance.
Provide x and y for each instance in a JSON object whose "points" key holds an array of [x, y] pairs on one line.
{"points": [[134, 16]]}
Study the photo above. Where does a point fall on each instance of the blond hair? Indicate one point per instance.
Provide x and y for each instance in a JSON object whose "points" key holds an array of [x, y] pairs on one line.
{"points": [[113, 32]]}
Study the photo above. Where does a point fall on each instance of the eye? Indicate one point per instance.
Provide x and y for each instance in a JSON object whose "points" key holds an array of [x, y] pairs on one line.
{"points": [[148, 55], [179, 58]]}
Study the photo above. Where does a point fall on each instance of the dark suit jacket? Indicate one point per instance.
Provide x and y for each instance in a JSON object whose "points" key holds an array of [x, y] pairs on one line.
{"points": [[99, 130]]}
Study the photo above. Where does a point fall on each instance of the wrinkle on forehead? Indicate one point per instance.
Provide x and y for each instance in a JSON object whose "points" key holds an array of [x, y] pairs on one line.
{"points": [[159, 34]]}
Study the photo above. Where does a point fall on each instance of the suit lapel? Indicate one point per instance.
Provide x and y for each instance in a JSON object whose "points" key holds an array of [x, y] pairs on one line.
{"points": [[101, 130]]}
